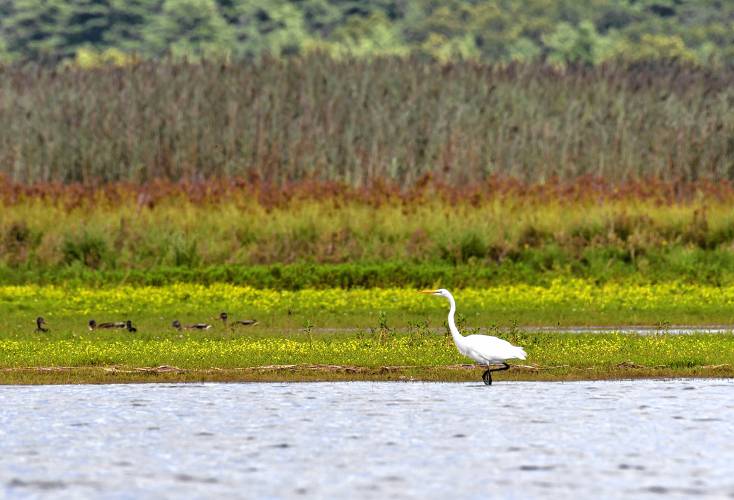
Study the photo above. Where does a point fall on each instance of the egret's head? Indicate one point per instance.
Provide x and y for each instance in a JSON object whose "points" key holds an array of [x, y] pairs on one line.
{"points": [[441, 292]]}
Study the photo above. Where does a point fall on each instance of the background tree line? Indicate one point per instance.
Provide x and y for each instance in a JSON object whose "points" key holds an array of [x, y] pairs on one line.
{"points": [[559, 31]]}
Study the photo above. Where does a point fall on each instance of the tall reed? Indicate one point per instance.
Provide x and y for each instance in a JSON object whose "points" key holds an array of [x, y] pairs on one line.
{"points": [[355, 121]]}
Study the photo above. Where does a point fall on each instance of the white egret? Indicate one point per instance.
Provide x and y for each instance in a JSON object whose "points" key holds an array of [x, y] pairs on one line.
{"points": [[484, 349]]}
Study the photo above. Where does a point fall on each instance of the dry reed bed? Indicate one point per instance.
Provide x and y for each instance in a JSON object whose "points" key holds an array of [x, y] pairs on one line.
{"points": [[428, 189], [354, 121]]}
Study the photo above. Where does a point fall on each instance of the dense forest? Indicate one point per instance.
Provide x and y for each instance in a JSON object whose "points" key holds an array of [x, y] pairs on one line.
{"points": [[557, 31]]}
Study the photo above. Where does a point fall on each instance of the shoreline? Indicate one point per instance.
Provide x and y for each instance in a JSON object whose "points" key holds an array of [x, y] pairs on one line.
{"points": [[116, 374]]}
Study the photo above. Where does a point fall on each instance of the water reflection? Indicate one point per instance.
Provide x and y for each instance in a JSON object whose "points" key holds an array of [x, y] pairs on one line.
{"points": [[601, 439]]}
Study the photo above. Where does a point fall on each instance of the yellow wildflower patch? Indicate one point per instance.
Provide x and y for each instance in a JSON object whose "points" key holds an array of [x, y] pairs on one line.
{"points": [[560, 293]]}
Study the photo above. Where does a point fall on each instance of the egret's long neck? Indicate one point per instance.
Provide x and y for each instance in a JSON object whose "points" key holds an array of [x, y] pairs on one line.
{"points": [[458, 338]]}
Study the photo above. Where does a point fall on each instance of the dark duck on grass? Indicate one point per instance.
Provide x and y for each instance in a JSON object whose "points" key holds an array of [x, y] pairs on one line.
{"points": [[239, 322], [40, 322], [195, 326], [93, 325]]}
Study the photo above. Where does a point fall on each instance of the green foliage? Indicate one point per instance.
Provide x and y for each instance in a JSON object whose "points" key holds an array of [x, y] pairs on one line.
{"points": [[33, 29], [86, 23], [125, 30], [189, 28], [569, 44], [562, 32], [185, 253], [537, 266], [312, 244], [86, 249], [362, 37], [269, 27]]}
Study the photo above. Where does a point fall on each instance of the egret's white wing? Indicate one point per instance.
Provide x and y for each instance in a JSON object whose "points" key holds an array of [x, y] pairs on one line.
{"points": [[488, 349]]}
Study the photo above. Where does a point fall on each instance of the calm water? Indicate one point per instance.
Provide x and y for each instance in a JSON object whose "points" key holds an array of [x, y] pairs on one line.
{"points": [[369, 440]]}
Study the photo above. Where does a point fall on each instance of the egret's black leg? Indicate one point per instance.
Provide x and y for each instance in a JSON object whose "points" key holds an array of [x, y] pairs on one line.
{"points": [[487, 376], [505, 366]]}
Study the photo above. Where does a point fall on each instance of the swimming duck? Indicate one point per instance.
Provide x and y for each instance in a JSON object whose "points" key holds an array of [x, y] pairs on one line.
{"points": [[40, 322], [244, 322], [93, 325], [196, 326]]}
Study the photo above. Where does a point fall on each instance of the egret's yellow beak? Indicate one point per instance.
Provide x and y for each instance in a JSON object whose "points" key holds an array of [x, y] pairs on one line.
{"points": [[428, 291]]}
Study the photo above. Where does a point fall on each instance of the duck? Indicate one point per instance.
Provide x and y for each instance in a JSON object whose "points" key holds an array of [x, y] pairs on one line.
{"points": [[195, 326], [242, 322], [93, 325], [40, 322], [130, 327]]}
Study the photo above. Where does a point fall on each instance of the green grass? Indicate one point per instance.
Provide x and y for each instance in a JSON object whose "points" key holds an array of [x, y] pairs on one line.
{"points": [[560, 303], [329, 242], [373, 356], [532, 266], [366, 349], [372, 334]]}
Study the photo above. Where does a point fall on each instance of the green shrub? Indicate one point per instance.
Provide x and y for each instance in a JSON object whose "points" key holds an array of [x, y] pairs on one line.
{"points": [[90, 250]]}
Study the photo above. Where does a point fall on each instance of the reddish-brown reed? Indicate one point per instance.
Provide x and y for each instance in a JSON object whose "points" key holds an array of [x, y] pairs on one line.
{"points": [[583, 189]]}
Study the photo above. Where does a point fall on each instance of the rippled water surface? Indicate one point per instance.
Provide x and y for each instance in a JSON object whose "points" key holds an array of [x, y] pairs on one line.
{"points": [[369, 440]]}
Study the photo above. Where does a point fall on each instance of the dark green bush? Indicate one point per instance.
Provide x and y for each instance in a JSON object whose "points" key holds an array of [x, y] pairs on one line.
{"points": [[87, 249]]}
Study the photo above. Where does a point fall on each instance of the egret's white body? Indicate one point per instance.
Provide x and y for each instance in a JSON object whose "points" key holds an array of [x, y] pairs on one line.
{"points": [[484, 349]]}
